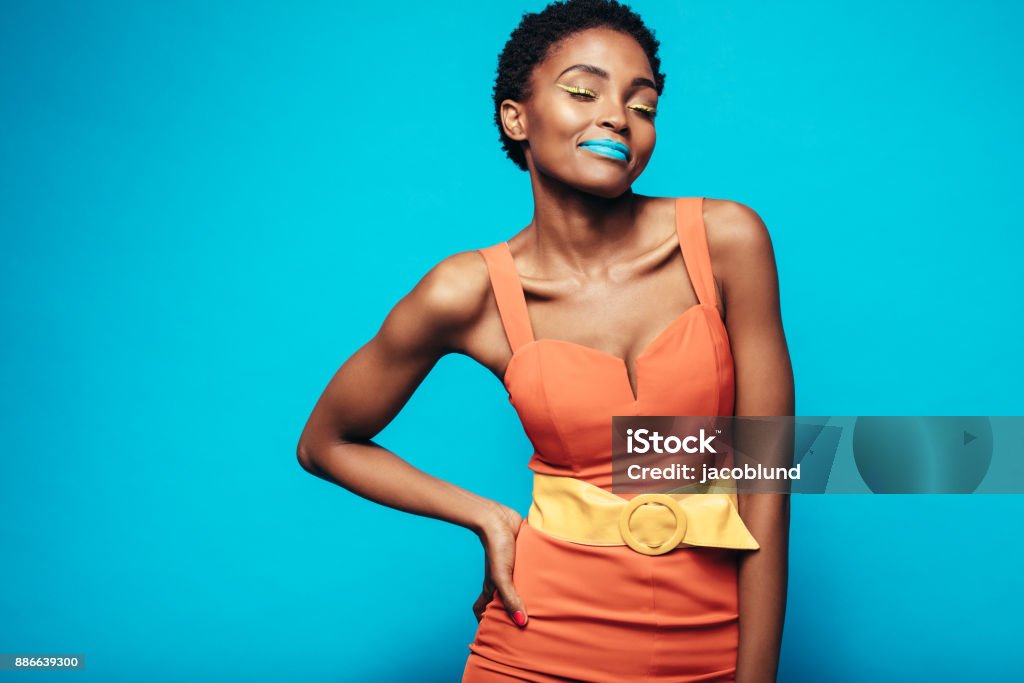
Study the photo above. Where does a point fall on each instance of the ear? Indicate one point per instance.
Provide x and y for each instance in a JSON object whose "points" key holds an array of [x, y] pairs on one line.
{"points": [[513, 119]]}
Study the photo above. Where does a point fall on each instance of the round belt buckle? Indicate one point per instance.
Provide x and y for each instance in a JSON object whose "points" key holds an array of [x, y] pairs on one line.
{"points": [[660, 499]]}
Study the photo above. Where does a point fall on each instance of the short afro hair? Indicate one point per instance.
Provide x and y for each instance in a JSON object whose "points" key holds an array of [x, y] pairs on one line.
{"points": [[531, 41]]}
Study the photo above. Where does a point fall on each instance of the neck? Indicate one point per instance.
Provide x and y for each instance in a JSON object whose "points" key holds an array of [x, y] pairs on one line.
{"points": [[579, 231]]}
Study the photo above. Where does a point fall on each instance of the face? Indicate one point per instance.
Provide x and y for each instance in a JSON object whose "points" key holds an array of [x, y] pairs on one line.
{"points": [[589, 121]]}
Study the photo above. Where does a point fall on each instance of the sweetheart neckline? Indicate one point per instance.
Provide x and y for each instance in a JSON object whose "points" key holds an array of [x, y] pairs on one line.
{"points": [[604, 354]]}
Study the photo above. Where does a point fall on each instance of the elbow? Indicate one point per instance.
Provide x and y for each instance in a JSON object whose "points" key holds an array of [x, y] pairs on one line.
{"points": [[320, 443], [307, 457], [310, 454]]}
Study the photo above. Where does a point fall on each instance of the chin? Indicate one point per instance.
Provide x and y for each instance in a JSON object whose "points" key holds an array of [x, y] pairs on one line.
{"points": [[609, 188], [607, 192], [608, 182]]}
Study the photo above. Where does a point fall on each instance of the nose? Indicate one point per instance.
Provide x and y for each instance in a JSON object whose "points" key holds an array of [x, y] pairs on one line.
{"points": [[613, 117]]}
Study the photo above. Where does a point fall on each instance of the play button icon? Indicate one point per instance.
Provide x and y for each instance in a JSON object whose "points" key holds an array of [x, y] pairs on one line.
{"points": [[915, 454]]}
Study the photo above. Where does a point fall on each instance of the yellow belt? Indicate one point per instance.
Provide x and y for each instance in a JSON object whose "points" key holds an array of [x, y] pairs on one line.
{"points": [[650, 523]]}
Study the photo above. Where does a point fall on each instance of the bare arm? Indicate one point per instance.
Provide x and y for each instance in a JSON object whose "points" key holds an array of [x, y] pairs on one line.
{"points": [[764, 386], [374, 384], [437, 317]]}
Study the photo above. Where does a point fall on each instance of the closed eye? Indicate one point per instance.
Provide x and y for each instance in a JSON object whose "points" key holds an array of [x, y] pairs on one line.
{"points": [[577, 91], [644, 109]]}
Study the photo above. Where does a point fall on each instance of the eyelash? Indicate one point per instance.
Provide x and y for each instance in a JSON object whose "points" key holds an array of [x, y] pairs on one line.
{"points": [[576, 91]]}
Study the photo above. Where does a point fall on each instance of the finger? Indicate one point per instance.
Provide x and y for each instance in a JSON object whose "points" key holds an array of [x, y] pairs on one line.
{"points": [[479, 607], [485, 595], [510, 597]]}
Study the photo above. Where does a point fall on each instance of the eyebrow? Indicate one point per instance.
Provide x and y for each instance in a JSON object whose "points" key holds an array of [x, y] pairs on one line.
{"points": [[598, 71]]}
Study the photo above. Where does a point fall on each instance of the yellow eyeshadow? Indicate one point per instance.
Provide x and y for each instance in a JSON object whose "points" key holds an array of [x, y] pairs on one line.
{"points": [[576, 91]]}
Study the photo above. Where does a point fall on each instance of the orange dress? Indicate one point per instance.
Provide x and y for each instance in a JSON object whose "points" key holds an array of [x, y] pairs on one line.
{"points": [[608, 613]]}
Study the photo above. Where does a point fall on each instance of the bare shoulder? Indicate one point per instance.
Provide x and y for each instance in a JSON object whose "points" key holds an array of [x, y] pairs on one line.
{"points": [[444, 305], [737, 238], [733, 227], [456, 290], [741, 250]]}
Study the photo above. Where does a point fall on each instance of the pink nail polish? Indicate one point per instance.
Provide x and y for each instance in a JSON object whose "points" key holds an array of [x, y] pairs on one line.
{"points": [[519, 618]]}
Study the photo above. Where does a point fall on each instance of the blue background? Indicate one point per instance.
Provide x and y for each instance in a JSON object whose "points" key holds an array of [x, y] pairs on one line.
{"points": [[207, 207]]}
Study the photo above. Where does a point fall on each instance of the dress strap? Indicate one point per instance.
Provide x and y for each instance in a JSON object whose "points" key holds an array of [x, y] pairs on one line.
{"points": [[508, 292], [693, 240]]}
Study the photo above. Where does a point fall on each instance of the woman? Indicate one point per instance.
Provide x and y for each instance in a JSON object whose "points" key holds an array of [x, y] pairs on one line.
{"points": [[607, 303]]}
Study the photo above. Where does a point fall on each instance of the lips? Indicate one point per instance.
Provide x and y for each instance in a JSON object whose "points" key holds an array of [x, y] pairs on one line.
{"points": [[607, 147]]}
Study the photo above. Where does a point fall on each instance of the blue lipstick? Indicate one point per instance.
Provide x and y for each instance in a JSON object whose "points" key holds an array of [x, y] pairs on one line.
{"points": [[609, 148]]}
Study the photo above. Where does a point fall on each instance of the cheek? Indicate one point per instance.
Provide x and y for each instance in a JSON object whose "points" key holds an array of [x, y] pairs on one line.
{"points": [[559, 119], [554, 140], [561, 127], [645, 140]]}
